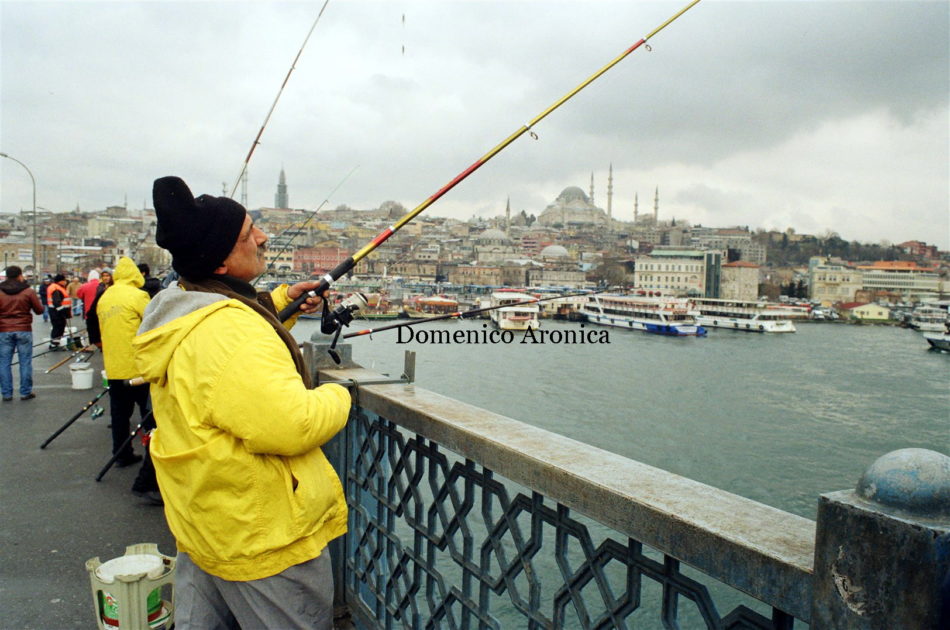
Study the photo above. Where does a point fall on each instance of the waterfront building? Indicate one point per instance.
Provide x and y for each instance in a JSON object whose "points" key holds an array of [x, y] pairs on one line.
{"points": [[865, 312], [320, 259], [556, 277], [736, 239], [831, 282], [414, 270], [475, 274], [914, 282], [279, 258], [740, 281], [680, 272]]}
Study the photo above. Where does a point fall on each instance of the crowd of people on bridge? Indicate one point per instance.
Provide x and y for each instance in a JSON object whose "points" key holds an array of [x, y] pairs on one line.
{"points": [[235, 456]]}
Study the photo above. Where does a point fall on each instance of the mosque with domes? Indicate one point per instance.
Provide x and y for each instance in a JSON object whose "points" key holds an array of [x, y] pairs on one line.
{"points": [[573, 207]]}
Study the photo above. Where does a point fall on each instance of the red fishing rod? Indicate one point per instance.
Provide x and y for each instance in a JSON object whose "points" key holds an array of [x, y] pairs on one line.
{"points": [[327, 281]]}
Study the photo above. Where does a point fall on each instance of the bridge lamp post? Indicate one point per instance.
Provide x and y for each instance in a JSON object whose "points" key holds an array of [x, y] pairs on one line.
{"points": [[36, 272]]}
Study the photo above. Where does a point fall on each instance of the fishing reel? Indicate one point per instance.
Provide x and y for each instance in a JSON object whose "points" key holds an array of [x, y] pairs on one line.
{"points": [[339, 316]]}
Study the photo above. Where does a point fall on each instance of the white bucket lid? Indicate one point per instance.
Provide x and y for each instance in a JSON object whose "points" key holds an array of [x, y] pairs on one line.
{"points": [[80, 366], [134, 564]]}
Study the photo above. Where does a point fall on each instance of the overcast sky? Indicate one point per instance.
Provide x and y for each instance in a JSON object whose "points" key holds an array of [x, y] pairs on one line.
{"points": [[821, 116]]}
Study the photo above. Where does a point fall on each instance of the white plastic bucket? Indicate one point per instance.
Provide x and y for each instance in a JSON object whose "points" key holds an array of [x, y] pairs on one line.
{"points": [[82, 375], [131, 565]]}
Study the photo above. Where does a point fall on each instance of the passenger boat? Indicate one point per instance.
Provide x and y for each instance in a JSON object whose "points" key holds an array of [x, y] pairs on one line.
{"points": [[661, 316], [428, 305], [929, 318], [568, 307], [521, 317], [378, 306], [938, 340], [742, 315]]}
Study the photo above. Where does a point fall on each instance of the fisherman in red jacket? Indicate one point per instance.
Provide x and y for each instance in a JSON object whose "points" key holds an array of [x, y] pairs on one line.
{"points": [[18, 302], [60, 310]]}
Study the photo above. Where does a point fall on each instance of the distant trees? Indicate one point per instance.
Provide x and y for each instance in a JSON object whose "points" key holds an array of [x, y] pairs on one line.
{"points": [[788, 251], [794, 289]]}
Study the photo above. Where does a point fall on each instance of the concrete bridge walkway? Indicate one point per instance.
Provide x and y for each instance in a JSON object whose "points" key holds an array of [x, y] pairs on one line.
{"points": [[53, 514]]}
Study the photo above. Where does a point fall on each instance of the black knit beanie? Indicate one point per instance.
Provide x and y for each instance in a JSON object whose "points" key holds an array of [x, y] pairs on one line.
{"points": [[199, 233]]}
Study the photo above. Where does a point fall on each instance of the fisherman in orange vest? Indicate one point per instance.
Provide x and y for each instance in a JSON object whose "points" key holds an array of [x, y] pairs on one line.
{"points": [[60, 309]]}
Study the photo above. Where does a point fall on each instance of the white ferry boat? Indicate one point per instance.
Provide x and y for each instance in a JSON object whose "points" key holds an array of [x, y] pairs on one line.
{"points": [[661, 316], [927, 318], [521, 317], [742, 315]]}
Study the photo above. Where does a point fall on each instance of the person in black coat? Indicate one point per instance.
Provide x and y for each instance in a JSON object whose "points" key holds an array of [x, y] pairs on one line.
{"points": [[152, 285]]}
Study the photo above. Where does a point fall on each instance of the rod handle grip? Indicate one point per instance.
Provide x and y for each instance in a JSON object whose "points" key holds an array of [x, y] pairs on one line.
{"points": [[288, 311]]}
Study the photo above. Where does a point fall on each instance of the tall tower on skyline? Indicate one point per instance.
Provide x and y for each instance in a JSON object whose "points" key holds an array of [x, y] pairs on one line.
{"points": [[610, 196], [656, 206], [636, 208], [280, 199], [592, 187]]}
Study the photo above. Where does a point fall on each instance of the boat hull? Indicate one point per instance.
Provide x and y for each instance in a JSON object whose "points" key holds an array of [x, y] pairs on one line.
{"points": [[515, 324], [745, 325], [656, 328], [938, 341]]}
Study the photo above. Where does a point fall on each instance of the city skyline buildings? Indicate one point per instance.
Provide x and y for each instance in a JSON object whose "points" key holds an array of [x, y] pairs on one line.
{"points": [[856, 144]]}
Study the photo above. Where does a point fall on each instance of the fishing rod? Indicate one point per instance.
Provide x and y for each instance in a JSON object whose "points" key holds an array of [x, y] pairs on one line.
{"points": [[90, 349], [293, 65], [348, 264], [148, 420], [304, 224], [132, 381], [85, 408], [464, 314]]}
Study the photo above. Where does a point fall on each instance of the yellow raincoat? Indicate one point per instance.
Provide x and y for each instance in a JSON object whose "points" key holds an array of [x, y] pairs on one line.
{"points": [[120, 311], [248, 492]]}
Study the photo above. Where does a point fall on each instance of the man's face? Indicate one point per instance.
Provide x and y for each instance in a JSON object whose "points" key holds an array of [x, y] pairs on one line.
{"points": [[246, 260]]}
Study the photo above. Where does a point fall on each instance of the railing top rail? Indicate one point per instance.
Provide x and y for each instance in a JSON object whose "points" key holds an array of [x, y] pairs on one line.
{"points": [[753, 547]]}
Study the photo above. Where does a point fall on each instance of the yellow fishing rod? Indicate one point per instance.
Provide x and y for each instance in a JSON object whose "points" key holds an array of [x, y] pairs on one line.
{"points": [[327, 281]]}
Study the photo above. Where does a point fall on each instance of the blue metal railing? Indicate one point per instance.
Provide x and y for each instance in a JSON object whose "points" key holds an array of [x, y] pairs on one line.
{"points": [[461, 518]]}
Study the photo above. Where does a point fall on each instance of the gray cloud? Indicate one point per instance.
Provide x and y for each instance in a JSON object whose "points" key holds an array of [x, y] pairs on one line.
{"points": [[765, 114]]}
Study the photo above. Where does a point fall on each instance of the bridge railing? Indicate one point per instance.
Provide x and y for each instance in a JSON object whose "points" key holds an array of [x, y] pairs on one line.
{"points": [[463, 518]]}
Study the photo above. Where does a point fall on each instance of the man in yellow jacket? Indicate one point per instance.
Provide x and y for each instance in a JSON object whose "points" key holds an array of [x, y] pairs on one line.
{"points": [[120, 311], [249, 495]]}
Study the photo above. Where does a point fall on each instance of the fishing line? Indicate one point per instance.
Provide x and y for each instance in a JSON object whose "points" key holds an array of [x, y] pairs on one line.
{"points": [[350, 262], [293, 65], [304, 224]]}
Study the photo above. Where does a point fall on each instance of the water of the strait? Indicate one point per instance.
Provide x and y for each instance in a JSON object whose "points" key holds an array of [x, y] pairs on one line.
{"points": [[778, 418]]}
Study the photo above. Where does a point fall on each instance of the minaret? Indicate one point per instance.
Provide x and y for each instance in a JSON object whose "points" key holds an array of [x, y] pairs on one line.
{"points": [[656, 206], [592, 188], [610, 196], [508, 217], [636, 208], [244, 189], [280, 199]]}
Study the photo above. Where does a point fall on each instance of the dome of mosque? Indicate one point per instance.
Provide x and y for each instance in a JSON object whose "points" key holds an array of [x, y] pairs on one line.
{"points": [[554, 251], [573, 193], [572, 206]]}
